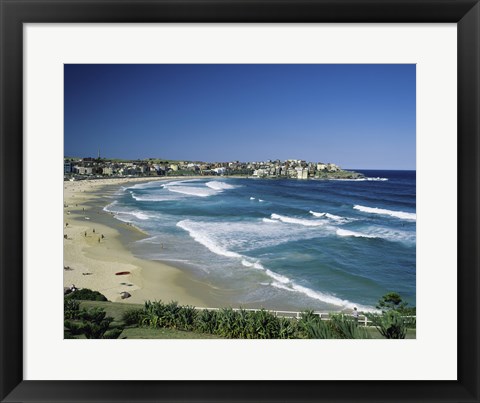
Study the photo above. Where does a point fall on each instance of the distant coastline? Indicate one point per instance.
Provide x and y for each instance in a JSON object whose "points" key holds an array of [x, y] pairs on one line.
{"points": [[81, 168]]}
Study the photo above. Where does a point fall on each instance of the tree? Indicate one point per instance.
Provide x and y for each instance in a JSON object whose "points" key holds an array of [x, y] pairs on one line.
{"points": [[391, 301]]}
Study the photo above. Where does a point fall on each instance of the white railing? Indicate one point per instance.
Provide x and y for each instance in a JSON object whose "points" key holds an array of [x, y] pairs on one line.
{"points": [[362, 319]]}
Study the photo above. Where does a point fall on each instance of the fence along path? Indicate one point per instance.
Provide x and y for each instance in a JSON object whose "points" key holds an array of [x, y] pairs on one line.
{"points": [[362, 319]]}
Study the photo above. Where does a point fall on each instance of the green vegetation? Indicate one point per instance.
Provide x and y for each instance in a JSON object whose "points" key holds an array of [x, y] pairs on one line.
{"points": [[85, 295], [90, 323], [103, 319], [341, 174], [396, 317], [338, 327], [391, 325]]}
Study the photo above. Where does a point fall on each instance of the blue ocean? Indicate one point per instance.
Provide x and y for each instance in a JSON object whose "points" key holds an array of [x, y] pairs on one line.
{"points": [[280, 243]]}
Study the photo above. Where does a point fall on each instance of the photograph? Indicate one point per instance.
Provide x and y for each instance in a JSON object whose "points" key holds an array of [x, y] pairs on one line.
{"points": [[257, 198], [239, 201]]}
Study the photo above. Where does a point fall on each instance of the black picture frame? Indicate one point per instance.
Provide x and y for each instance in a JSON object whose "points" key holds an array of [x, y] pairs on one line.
{"points": [[14, 13]]}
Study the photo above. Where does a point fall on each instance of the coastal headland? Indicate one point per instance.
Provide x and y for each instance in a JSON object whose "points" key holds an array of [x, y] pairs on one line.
{"points": [[95, 255]]}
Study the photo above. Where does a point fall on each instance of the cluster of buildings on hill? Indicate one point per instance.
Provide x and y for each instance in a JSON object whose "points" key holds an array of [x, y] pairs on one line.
{"points": [[295, 169]]}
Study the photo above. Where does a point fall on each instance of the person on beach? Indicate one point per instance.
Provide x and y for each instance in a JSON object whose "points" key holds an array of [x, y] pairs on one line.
{"points": [[355, 314]]}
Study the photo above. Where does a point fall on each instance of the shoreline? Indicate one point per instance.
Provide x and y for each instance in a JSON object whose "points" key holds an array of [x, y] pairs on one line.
{"points": [[95, 248]]}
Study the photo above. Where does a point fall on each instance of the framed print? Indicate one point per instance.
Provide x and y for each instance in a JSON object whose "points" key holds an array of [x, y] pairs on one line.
{"points": [[71, 73]]}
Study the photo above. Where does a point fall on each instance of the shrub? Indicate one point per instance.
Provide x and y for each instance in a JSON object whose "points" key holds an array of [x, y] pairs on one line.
{"points": [[390, 324], [71, 309], [207, 322], [287, 328], [186, 318], [86, 295], [228, 323], [153, 313], [263, 325], [132, 317], [311, 326], [93, 324], [346, 327]]}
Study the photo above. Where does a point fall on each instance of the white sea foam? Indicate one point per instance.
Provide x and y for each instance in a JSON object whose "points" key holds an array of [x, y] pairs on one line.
{"points": [[108, 207], [151, 197], [202, 238], [398, 214], [377, 179], [344, 232], [261, 201], [320, 296], [278, 277], [140, 215], [147, 185], [329, 216], [256, 265], [284, 283], [299, 221], [216, 185], [192, 191], [156, 239], [393, 235], [252, 198], [268, 220], [201, 234]]}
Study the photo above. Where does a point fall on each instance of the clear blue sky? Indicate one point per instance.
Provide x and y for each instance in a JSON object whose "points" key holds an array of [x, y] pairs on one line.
{"points": [[358, 116]]}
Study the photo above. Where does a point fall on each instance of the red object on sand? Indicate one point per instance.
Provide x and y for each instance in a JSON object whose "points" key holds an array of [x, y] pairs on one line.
{"points": [[122, 273]]}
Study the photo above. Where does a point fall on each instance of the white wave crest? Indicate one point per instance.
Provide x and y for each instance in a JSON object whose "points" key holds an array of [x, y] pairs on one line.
{"points": [[261, 201], [320, 296], [108, 207], [192, 191], [299, 221], [268, 220], [256, 265], [139, 215], [344, 232], [205, 240], [147, 185], [217, 185], [377, 179], [278, 277], [150, 198], [252, 198], [329, 216], [397, 214]]}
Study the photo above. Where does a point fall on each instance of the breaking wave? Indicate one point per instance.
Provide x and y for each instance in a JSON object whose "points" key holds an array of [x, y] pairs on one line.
{"points": [[329, 216], [398, 214], [344, 232], [299, 221], [206, 241]]}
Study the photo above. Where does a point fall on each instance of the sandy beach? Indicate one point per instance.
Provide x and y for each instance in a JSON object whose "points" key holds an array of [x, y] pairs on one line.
{"points": [[94, 251]]}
